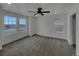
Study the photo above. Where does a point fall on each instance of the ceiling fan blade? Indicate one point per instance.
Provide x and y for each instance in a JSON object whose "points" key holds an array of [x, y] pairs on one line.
{"points": [[31, 11], [39, 13], [35, 14], [42, 14], [45, 11]]}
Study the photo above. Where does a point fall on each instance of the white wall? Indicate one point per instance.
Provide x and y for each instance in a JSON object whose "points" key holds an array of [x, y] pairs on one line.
{"points": [[45, 26], [32, 25], [77, 32], [0, 31]]}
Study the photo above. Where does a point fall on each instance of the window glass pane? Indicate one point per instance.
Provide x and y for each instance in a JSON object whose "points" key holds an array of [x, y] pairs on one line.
{"points": [[22, 23], [5, 20], [9, 20]]}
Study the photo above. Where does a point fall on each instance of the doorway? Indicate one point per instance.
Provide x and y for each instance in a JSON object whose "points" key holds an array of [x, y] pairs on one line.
{"points": [[74, 30]]}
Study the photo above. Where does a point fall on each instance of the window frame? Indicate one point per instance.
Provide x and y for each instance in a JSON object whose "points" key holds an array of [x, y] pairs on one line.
{"points": [[9, 21]]}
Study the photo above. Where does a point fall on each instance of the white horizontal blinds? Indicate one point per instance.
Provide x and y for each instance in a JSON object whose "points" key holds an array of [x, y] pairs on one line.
{"points": [[59, 25], [9, 20], [9, 23]]}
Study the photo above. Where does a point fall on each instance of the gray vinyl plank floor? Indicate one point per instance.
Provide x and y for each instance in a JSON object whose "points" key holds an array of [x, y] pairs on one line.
{"points": [[38, 46]]}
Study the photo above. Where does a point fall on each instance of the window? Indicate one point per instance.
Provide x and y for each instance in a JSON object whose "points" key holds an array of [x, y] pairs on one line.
{"points": [[22, 23], [59, 25], [9, 23]]}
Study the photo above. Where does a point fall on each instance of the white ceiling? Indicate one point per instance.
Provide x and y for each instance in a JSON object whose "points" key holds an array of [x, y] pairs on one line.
{"points": [[23, 8]]}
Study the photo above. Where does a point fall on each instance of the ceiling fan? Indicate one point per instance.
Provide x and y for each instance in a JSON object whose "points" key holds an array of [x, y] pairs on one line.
{"points": [[39, 11]]}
